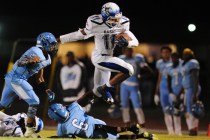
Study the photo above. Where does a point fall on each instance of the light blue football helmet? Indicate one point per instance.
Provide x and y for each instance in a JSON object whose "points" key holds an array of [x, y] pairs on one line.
{"points": [[47, 41], [111, 14], [58, 113], [198, 110]]}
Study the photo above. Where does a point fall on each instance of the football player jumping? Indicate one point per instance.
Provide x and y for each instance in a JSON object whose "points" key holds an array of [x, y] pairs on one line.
{"points": [[104, 27]]}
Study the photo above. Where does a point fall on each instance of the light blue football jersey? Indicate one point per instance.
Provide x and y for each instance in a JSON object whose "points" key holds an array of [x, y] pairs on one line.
{"points": [[137, 62], [79, 123], [24, 72], [175, 73], [162, 68], [187, 81]]}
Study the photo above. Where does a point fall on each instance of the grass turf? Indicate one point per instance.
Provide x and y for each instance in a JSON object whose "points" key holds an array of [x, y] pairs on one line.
{"points": [[47, 133]]}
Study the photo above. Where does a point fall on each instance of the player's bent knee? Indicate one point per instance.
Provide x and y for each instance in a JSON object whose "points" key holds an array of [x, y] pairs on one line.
{"points": [[34, 102]]}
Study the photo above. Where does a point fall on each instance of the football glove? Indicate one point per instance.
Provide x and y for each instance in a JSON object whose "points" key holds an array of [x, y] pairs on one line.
{"points": [[156, 99], [51, 95], [121, 42]]}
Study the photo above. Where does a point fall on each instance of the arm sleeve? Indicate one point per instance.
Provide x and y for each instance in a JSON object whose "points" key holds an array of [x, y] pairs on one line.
{"points": [[78, 35], [74, 36], [134, 41]]}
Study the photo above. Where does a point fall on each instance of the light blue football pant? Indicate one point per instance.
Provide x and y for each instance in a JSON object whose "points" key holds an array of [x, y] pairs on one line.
{"points": [[18, 88]]}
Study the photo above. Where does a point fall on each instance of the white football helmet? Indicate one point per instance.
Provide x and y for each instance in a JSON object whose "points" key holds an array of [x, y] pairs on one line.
{"points": [[111, 14]]}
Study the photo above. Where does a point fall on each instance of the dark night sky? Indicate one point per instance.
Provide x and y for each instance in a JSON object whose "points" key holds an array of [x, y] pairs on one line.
{"points": [[151, 21]]}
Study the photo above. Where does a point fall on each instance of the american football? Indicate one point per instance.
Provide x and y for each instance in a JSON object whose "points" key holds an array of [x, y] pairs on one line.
{"points": [[126, 36]]}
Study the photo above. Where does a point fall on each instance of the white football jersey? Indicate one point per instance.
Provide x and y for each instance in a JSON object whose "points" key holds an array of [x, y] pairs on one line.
{"points": [[104, 34]]}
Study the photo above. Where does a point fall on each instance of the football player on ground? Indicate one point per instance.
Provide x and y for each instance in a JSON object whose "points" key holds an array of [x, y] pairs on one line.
{"points": [[14, 125], [104, 27], [33, 61], [74, 122]]}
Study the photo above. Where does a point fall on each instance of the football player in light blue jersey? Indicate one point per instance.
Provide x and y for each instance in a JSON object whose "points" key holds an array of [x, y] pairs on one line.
{"points": [[129, 89], [190, 82], [33, 61], [175, 89], [162, 86], [74, 122]]}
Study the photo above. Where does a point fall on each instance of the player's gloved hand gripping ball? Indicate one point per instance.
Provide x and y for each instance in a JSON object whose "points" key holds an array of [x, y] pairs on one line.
{"points": [[122, 39]]}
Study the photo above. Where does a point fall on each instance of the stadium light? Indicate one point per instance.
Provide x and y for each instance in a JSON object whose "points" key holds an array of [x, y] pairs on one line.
{"points": [[191, 27]]}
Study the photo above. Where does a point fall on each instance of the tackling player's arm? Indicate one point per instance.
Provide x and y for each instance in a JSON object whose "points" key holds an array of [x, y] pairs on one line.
{"points": [[42, 84]]}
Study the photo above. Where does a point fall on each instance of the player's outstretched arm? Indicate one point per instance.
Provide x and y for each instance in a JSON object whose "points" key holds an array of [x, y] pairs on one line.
{"points": [[73, 36], [42, 84]]}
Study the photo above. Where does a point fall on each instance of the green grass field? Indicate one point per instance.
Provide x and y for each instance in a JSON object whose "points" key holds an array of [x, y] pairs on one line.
{"points": [[47, 133]]}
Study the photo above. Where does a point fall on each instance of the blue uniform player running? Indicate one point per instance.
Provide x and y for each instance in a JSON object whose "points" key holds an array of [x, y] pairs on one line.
{"points": [[32, 62], [129, 89], [74, 122]]}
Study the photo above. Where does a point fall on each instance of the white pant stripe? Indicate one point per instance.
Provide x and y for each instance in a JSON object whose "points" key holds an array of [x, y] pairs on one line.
{"points": [[20, 91]]}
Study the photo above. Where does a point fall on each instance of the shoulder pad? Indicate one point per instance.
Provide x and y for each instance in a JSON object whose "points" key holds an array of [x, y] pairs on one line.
{"points": [[169, 65], [194, 61], [97, 19], [124, 20], [139, 55], [121, 56], [160, 61]]}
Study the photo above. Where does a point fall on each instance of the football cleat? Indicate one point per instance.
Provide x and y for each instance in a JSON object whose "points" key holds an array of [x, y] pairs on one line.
{"points": [[106, 95], [135, 129], [149, 136]]}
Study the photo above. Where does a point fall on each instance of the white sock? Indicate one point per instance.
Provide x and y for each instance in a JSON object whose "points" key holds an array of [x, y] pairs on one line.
{"points": [[140, 115], [169, 123], [177, 125], [126, 115]]}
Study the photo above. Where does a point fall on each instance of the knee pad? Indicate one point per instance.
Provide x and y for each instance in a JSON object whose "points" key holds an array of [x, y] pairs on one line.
{"points": [[32, 111]]}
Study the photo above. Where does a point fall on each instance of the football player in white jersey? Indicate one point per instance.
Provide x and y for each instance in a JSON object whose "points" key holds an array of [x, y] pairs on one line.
{"points": [[104, 27], [15, 125]]}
